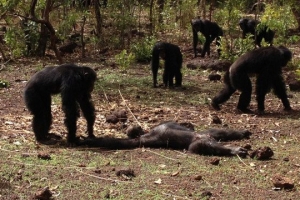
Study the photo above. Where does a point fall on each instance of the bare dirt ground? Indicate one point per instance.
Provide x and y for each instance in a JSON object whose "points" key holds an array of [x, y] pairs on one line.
{"points": [[28, 169]]}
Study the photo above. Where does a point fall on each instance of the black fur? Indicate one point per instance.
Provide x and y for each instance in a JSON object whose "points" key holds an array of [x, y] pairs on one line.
{"points": [[173, 63], [249, 26], [172, 135], [210, 30], [75, 84], [266, 63]]}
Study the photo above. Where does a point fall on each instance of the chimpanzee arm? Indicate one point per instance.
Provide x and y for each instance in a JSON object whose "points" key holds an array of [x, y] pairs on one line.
{"points": [[210, 147], [88, 111], [227, 134], [195, 42], [71, 110], [206, 46], [224, 94], [155, 64]]}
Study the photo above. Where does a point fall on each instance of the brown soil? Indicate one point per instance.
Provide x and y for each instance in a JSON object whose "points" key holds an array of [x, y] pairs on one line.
{"points": [[26, 168]]}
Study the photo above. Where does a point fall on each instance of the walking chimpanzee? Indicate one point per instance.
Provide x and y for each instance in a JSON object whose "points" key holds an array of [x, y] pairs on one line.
{"points": [[210, 30], [174, 136], [266, 63], [172, 56], [75, 83], [249, 26]]}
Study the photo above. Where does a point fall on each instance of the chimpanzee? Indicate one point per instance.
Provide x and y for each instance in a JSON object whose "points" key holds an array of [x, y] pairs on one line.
{"points": [[172, 135], [249, 26], [210, 30], [75, 83], [173, 63], [266, 63], [68, 48]]}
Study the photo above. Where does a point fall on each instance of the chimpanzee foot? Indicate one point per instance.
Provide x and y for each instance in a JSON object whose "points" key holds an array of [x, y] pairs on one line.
{"points": [[92, 136], [288, 109], [215, 105], [73, 141], [246, 134], [240, 151], [47, 141], [260, 112], [245, 110], [54, 136]]}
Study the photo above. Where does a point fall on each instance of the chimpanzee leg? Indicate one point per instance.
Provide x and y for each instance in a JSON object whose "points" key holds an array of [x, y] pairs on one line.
{"points": [[227, 134], [224, 94], [88, 111], [258, 39], [165, 77], [150, 140], [243, 83], [262, 88], [71, 110], [168, 74], [40, 107], [178, 77], [280, 91], [206, 46], [211, 147]]}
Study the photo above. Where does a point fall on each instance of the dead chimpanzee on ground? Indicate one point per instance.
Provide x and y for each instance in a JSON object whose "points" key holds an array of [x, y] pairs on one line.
{"points": [[172, 135], [210, 30], [249, 26], [266, 63], [173, 63], [75, 84]]}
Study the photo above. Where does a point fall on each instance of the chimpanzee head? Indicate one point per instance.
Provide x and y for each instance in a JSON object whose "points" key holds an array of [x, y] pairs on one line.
{"points": [[197, 25], [90, 77], [286, 53], [243, 23]]}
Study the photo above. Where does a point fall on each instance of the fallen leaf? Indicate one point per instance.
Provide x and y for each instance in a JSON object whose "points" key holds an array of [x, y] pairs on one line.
{"points": [[158, 181]]}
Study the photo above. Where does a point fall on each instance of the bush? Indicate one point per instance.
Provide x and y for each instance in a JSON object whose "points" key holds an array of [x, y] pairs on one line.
{"points": [[124, 60], [142, 49]]}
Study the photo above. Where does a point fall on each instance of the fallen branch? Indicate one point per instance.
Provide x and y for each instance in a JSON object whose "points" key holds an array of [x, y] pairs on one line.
{"points": [[245, 163], [129, 109], [101, 178], [161, 155]]}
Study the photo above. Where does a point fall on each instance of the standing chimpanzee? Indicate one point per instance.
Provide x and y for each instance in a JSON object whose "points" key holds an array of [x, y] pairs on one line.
{"points": [[266, 63], [210, 30], [75, 83], [174, 136], [249, 26], [173, 63]]}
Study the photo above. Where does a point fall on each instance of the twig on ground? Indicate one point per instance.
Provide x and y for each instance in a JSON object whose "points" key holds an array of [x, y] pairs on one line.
{"points": [[3, 65], [245, 163], [161, 155], [105, 95], [129, 109], [101, 178]]}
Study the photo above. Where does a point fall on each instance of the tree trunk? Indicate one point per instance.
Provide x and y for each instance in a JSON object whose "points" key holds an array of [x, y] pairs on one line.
{"points": [[98, 19], [161, 5], [81, 37], [203, 7], [42, 43], [45, 21], [151, 16]]}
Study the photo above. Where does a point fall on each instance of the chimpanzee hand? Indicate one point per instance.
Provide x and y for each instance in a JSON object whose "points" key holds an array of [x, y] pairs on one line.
{"points": [[242, 152]]}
